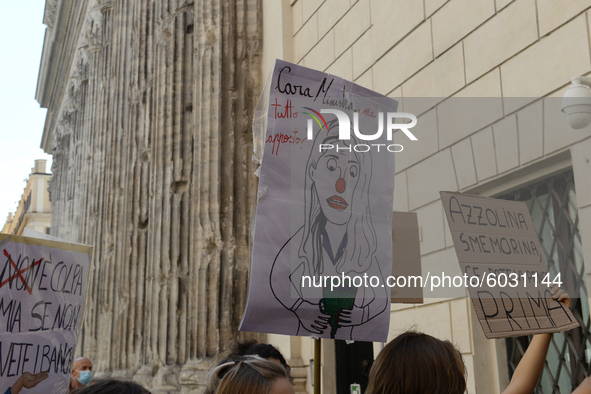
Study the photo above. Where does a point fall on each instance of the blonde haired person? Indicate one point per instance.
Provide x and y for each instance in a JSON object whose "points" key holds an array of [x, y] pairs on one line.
{"points": [[249, 375]]}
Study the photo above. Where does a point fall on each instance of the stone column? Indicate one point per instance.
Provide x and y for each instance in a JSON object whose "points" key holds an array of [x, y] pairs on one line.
{"points": [[152, 145]]}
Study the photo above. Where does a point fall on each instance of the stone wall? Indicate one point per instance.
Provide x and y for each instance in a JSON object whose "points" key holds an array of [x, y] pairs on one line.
{"points": [[149, 117]]}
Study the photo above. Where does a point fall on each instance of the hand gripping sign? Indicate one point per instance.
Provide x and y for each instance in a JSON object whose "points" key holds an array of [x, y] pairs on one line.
{"points": [[501, 260], [323, 231], [42, 290]]}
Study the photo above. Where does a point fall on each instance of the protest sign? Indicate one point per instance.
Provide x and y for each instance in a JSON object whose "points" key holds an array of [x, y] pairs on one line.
{"points": [[42, 290], [501, 260], [322, 236], [406, 258]]}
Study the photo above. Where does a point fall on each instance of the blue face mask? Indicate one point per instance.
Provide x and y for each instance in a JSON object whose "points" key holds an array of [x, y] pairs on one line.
{"points": [[84, 377]]}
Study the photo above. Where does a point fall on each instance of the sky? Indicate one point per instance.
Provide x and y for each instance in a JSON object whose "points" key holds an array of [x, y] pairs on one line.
{"points": [[21, 118]]}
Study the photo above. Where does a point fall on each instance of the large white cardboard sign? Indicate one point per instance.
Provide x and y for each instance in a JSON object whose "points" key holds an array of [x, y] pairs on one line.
{"points": [[324, 210]]}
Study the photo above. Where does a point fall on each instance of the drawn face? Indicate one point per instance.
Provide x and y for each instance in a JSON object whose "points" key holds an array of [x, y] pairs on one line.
{"points": [[335, 178]]}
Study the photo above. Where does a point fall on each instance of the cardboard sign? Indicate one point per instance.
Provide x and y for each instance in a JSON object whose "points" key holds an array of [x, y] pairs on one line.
{"points": [[322, 246], [502, 265], [406, 256], [42, 290]]}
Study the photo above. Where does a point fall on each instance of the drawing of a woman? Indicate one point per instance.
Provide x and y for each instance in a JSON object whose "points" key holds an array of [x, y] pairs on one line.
{"points": [[337, 238]]}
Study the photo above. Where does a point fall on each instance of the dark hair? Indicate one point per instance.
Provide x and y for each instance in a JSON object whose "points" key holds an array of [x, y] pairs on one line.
{"points": [[246, 375], [264, 350], [111, 386], [417, 363]]}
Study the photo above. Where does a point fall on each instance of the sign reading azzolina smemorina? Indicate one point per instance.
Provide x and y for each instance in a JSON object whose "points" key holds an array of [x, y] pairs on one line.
{"points": [[501, 260]]}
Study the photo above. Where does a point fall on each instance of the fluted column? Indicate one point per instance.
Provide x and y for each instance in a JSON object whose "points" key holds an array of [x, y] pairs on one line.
{"points": [[152, 148]]}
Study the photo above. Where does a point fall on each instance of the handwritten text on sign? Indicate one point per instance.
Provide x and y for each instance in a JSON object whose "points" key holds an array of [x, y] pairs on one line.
{"points": [[42, 289], [496, 242]]}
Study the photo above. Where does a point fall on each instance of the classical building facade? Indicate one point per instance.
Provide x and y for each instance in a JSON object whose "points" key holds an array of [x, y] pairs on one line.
{"points": [[34, 208], [149, 122], [149, 116]]}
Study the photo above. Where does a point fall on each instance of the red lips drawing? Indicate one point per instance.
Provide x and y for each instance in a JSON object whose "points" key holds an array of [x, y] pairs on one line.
{"points": [[337, 202]]}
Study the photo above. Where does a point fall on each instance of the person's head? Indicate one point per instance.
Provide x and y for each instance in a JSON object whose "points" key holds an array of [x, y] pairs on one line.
{"points": [[417, 363], [249, 375], [112, 386], [81, 372], [263, 350], [337, 191]]}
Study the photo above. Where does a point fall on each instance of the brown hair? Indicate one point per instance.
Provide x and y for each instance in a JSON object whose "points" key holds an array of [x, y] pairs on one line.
{"points": [[246, 375], [111, 386], [417, 363]]}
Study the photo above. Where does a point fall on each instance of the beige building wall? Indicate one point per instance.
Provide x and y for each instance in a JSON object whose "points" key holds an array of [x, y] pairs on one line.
{"points": [[34, 207], [453, 48]]}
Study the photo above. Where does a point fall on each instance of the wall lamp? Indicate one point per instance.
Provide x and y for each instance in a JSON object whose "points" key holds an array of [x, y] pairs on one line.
{"points": [[576, 103]]}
